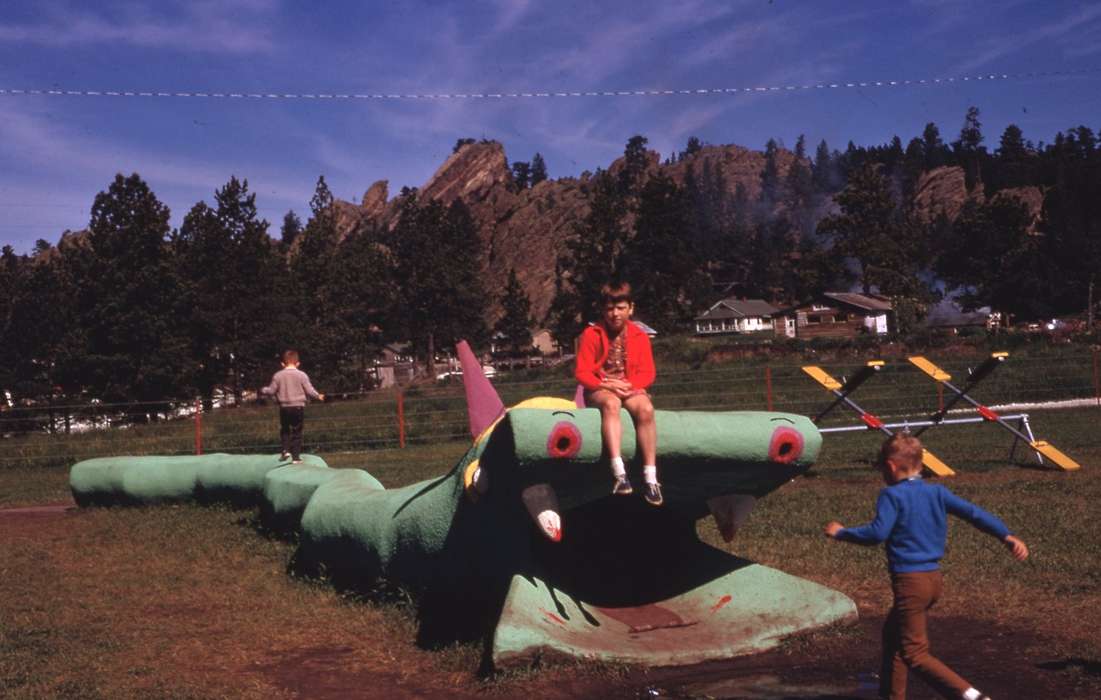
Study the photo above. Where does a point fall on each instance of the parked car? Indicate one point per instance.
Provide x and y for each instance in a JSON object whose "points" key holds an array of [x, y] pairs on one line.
{"points": [[489, 370]]}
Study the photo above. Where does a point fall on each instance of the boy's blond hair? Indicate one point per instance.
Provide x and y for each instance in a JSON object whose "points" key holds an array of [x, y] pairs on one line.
{"points": [[903, 449], [290, 357]]}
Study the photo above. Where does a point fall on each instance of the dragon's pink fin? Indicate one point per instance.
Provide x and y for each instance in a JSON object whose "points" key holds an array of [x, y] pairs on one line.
{"points": [[483, 405], [579, 396]]}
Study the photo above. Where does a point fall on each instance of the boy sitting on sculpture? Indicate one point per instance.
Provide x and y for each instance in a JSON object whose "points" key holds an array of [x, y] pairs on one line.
{"points": [[615, 365]]}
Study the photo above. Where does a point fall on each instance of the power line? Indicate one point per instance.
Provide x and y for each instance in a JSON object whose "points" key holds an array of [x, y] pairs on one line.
{"points": [[547, 94]]}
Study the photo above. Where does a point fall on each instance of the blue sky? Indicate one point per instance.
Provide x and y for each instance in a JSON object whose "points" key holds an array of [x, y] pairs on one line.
{"points": [[57, 152]]}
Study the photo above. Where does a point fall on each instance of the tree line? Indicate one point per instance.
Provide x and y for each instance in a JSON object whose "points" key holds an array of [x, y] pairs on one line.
{"points": [[131, 310], [134, 310], [840, 219]]}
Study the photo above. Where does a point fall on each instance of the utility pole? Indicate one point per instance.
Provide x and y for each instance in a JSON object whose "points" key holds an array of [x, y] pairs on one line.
{"points": [[1089, 306]]}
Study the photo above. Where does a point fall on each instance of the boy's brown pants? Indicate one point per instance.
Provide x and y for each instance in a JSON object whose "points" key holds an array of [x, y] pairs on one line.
{"points": [[906, 642]]}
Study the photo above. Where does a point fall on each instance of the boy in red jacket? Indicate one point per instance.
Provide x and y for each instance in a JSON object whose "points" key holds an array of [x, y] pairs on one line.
{"points": [[615, 365]]}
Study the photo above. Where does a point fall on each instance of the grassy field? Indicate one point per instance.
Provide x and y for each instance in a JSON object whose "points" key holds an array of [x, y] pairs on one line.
{"points": [[195, 602]]}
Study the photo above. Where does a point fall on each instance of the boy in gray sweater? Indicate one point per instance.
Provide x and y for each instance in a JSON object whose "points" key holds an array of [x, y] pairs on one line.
{"points": [[291, 386]]}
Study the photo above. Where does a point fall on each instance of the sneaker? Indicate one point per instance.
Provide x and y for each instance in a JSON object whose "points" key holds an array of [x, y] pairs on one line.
{"points": [[296, 461], [622, 487], [652, 494], [285, 456]]}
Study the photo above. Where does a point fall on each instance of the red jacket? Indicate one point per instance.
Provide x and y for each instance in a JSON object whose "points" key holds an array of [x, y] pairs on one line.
{"points": [[592, 351]]}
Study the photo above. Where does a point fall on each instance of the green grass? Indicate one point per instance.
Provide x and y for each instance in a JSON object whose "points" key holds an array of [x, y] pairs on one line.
{"points": [[79, 599]]}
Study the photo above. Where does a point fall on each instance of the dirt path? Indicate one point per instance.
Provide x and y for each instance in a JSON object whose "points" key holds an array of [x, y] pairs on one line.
{"points": [[828, 666]]}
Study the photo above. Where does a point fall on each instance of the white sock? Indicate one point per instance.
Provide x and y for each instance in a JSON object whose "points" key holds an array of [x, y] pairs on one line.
{"points": [[971, 694], [650, 474], [617, 467]]}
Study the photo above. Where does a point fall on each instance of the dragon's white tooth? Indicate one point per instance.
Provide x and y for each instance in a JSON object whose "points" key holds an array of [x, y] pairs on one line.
{"points": [[480, 480], [730, 512], [551, 524], [542, 504]]}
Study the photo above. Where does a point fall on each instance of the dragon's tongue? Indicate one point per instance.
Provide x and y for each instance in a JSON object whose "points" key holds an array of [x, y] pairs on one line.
{"points": [[730, 512], [542, 504]]}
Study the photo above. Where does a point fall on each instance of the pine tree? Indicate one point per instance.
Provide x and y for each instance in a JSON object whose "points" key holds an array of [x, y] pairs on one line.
{"points": [[913, 164], [969, 148], [888, 246], [771, 186], [636, 161], [799, 191], [35, 317], [521, 175], [988, 255], [663, 267], [437, 258], [538, 169], [292, 226], [130, 303], [936, 153], [362, 291], [824, 168], [693, 147], [305, 319], [591, 257], [227, 266], [1015, 161], [515, 324]]}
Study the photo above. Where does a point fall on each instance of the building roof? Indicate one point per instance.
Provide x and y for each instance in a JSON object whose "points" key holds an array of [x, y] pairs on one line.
{"points": [[870, 302], [645, 328], [738, 308]]}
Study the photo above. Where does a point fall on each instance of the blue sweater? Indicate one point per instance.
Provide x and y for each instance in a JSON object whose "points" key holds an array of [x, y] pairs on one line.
{"points": [[911, 516]]}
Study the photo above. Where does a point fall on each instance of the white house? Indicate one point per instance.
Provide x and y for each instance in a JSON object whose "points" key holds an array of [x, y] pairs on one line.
{"points": [[735, 315]]}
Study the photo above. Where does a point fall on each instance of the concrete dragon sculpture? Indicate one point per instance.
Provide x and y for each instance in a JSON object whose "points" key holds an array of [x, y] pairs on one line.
{"points": [[520, 540]]}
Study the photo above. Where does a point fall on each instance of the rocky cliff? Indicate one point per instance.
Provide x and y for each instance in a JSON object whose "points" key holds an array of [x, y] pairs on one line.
{"points": [[944, 191], [526, 230]]}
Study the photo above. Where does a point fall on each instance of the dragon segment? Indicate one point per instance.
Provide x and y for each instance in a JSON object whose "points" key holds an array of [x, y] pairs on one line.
{"points": [[521, 541]]}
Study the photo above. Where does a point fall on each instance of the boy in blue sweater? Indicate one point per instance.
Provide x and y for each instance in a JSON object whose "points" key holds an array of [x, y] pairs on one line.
{"points": [[911, 517]]}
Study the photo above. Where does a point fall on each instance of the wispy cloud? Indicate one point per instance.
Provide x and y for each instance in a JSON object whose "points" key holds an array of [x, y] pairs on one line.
{"points": [[1004, 45], [73, 167], [509, 13], [190, 27]]}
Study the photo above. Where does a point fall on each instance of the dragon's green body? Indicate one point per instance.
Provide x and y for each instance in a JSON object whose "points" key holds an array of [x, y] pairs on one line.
{"points": [[521, 540]]}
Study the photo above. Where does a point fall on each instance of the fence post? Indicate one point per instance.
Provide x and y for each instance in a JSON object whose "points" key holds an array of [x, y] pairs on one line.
{"points": [[768, 386], [940, 397], [1097, 374], [198, 426], [401, 419]]}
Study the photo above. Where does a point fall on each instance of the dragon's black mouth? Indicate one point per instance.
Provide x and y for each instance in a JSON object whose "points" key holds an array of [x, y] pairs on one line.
{"points": [[620, 551]]}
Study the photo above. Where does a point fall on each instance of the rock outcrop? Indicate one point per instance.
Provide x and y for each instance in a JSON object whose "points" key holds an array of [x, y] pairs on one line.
{"points": [[527, 230], [1031, 196], [943, 190]]}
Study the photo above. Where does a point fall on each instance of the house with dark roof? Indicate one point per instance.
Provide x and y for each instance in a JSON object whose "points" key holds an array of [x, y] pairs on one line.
{"points": [[836, 315], [734, 315]]}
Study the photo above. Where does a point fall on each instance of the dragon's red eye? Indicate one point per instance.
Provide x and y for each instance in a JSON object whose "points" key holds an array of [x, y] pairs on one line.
{"points": [[564, 440], [786, 445]]}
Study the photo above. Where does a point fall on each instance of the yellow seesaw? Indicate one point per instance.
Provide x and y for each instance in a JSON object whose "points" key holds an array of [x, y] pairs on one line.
{"points": [[871, 422], [1041, 447]]}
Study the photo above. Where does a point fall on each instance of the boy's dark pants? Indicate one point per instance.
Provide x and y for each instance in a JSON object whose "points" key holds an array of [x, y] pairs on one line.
{"points": [[291, 420], [906, 643]]}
